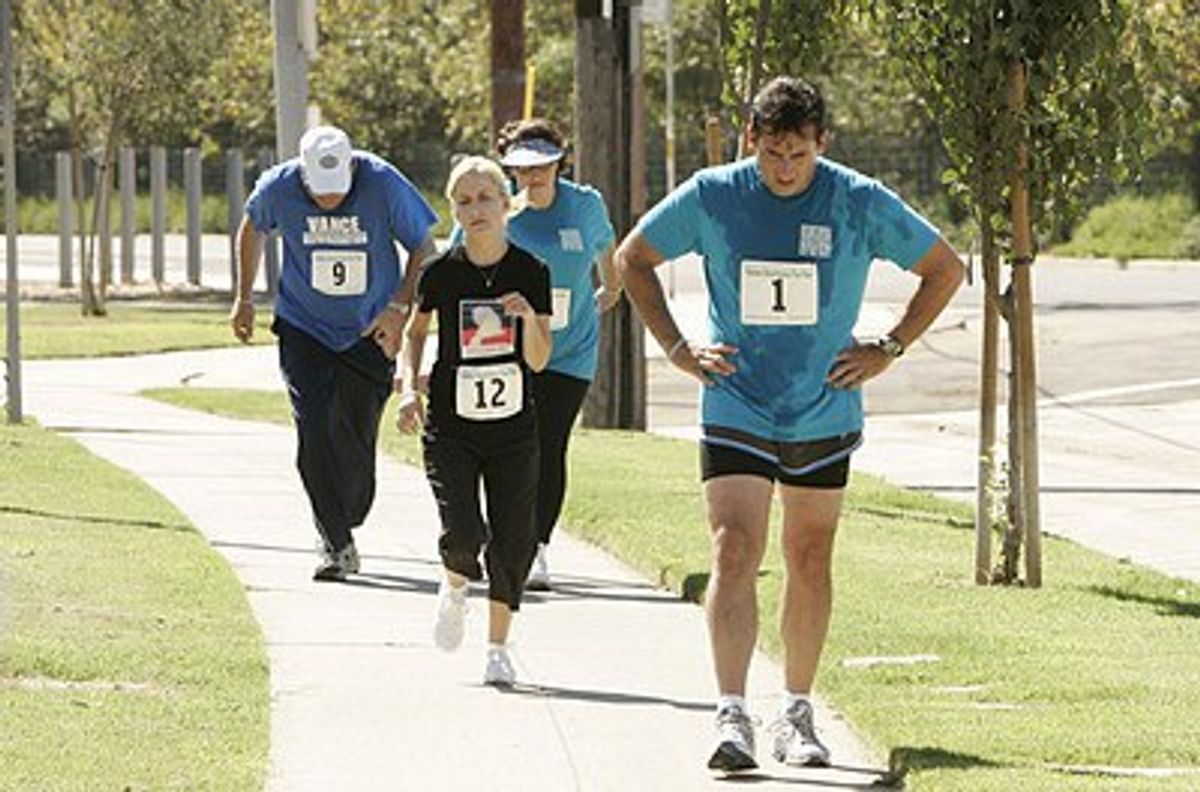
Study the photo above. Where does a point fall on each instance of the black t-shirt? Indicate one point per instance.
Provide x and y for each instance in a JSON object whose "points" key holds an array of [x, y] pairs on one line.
{"points": [[480, 381]]}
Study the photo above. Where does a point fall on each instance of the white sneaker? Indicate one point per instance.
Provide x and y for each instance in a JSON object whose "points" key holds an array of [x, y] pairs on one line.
{"points": [[499, 671], [451, 613], [734, 750], [539, 573], [335, 566], [796, 741]]}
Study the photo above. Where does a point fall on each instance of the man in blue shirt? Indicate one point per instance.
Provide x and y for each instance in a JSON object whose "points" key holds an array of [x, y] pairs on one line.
{"points": [[787, 238], [339, 315]]}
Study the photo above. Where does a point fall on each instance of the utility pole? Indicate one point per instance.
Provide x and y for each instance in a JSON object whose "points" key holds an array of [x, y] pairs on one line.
{"points": [[607, 60], [508, 63], [12, 297], [291, 77]]}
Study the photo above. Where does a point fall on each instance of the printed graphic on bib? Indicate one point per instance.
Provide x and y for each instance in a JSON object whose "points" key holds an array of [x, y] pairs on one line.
{"points": [[570, 239], [488, 393], [779, 293], [339, 273], [816, 241], [561, 308], [484, 330]]}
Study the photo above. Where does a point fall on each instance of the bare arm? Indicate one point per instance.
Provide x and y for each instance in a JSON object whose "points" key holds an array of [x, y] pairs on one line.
{"points": [[636, 259], [412, 412], [609, 293], [388, 327], [941, 272], [250, 247]]}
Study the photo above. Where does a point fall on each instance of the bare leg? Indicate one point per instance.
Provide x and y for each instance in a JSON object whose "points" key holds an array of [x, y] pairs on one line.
{"points": [[499, 622], [739, 508], [810, 519]]}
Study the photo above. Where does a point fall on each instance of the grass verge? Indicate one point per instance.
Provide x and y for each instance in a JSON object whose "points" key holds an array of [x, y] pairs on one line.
{"points": [[1098, 668], [129, 658], [56, 330]]}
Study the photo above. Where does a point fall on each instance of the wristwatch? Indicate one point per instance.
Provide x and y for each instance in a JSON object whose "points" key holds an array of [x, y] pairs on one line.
{"points": [[891, 346]]}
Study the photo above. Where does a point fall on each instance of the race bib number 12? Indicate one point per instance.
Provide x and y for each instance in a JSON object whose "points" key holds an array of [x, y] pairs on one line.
{"points": [[339, 273], [488, 393], [779, 293]]}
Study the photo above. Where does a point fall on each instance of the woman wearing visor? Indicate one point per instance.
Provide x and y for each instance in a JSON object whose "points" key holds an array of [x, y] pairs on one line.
{"points": [[566, 225]]}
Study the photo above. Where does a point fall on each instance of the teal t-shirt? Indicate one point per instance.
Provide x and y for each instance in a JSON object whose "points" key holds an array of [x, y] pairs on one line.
{"points": [[785, 279], [569, 236]]}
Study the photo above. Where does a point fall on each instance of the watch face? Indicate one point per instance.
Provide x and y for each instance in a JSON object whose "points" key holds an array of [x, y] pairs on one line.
{"points": [[891, 346]]}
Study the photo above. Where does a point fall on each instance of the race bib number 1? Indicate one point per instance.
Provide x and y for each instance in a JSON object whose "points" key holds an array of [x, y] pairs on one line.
{"points": [[779, 293], [339, 273], [489, 393]]}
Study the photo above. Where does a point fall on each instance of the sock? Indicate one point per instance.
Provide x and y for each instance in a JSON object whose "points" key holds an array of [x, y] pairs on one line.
{"points": [[497, 647], [455, 591], [725, 702], [792, 699]]}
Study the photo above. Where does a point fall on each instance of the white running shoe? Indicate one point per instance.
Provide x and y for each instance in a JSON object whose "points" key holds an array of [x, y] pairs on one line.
{"points": [[539, 573], [499, 671], [796, 741], [451, 613], [734, 751], [336, 565]]}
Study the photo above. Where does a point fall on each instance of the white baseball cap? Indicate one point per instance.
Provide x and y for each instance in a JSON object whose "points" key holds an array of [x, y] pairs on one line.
{"points": [[325, 156], [531, 153]]}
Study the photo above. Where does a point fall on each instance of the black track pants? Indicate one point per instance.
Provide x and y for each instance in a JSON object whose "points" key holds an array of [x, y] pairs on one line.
{"points": [[557, 400], [454, 467], [337, 402]]}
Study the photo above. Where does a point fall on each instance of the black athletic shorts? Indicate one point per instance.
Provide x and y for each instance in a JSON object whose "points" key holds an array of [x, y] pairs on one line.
{"points": [[821, 464]]}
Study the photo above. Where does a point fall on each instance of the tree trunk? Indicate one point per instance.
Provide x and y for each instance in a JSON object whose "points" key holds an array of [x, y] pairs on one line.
{"points": [[986, 487], [1026, 395], [508, 62], [617, 397], [762, 21], [104, 191]]}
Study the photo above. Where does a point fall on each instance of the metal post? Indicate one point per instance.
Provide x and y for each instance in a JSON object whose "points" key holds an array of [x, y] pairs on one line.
{"points": [[235, 191], [291, 78], [158, 212], [191, 186], [271, 253], [12, 297], [669, 122], [66, 216], [128, 176]]}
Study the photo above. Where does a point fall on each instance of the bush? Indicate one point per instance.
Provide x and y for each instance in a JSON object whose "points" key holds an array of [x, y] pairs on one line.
{"points": [[1131, 227]]}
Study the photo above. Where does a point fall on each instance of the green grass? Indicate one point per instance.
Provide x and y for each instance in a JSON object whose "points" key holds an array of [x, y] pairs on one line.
{"points": [[129, 658], [1130, 227], [1099, 667], [56, 330]]}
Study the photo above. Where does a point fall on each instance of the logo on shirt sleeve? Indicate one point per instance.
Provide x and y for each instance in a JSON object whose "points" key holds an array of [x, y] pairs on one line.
{"points": [[816, 241]]}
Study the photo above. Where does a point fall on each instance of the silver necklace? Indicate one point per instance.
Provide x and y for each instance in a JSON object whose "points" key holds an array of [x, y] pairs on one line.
{"points": [[489, 274]]}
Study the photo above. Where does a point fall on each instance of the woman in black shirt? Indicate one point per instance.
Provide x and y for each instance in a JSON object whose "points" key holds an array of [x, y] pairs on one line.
{"points": [[493, 305]]}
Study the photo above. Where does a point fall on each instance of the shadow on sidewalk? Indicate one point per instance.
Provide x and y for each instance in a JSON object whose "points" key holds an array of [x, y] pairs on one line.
{"points": [[603, 697]]}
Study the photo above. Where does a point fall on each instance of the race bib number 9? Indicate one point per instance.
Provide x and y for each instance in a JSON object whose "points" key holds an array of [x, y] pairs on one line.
{"points": [[339, 273], [489, 393], [561, 314], [779, 293]]}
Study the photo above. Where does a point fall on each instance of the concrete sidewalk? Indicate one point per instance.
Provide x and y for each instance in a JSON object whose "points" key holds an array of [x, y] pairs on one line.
{"points": [[615, 684]]}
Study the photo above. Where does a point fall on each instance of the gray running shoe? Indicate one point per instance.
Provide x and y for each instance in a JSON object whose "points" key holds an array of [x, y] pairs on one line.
{"points": [[335, 565], [734, 750], [796, 742]]}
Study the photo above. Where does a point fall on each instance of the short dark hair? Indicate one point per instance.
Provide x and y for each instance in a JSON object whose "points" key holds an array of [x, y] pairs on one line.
{"points": [[787, 104], [529, 129]]}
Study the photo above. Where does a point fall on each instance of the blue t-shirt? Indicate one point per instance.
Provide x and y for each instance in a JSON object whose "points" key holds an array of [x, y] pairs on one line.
{"points": [[785, 280], [569, 236], [340, 267]]}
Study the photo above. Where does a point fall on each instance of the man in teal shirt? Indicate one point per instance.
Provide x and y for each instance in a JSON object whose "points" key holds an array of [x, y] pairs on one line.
{"points": [[787, 238]]}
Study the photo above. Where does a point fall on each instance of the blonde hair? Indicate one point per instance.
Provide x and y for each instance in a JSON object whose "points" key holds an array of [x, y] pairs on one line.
{"points": [[492, 170]]}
